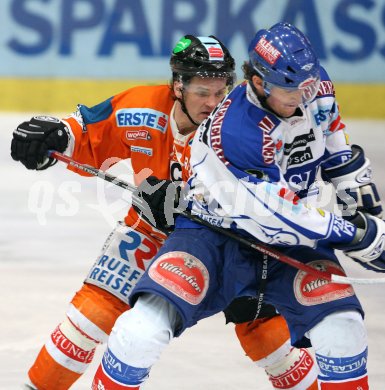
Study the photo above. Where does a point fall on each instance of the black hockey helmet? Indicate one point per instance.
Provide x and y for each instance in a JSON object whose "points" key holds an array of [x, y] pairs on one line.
{"points": [[202, 57]]}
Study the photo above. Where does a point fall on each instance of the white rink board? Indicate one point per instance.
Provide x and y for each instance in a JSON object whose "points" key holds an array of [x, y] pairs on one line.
{"points": [[41, 267]]}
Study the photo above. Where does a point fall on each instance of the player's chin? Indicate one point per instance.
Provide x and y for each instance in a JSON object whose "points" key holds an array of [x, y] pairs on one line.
{"points": [[202, 116], [287, 111]]}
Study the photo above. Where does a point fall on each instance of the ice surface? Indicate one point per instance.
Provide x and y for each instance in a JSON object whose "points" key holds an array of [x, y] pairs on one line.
{"points": [[44, 256]]}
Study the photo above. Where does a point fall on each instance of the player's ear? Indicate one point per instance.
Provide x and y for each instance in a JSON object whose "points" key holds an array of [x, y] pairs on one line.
{"points": [[258, 84], [178, 88]]}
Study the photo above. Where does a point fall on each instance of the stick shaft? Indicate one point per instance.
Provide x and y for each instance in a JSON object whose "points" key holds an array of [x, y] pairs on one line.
{"points": [[244, 240]]}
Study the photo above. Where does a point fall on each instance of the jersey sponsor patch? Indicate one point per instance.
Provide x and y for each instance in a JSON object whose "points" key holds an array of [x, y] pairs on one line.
{"points": [[125, 256], [216, 126], [182, 274], [266, 124], [300, 157], [342, 227], [142, 117], [268, 148], [310, 290], [326, 88], [138, 134], [299, 140], [138, 149]]}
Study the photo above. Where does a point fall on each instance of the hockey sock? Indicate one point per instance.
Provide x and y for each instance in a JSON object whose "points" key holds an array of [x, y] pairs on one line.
{"points": [[266, 342]]}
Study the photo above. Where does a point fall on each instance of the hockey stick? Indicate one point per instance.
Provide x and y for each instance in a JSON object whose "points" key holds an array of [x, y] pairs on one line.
{"points": [[339, 279]]}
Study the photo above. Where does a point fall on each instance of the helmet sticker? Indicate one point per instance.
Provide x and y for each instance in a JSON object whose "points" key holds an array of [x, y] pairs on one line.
{"points": [[307, 67], [183, 44], [306, 83], [213, 48], [267, 51]]}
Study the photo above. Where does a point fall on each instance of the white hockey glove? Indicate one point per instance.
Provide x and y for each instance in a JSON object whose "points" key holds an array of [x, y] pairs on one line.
{"points": [[354, 188], [367, 248], [32, 140]]}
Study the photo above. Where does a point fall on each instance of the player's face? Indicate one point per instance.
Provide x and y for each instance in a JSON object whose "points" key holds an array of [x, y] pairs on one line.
{"points": [[201, 96], [284, 102]]}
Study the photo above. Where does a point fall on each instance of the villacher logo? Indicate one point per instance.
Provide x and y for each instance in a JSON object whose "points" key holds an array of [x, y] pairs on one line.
{"points": [[182, 274]]}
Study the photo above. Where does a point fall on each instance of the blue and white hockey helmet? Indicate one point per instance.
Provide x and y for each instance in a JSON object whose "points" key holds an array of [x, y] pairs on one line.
{"points": [[283, 57]]}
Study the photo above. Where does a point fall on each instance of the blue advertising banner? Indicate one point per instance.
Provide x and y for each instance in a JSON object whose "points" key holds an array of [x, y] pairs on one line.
{"points": [[132, 39]]}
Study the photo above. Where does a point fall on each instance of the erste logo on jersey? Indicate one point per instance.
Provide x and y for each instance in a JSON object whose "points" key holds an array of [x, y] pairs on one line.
{"points": [[142, 117]]}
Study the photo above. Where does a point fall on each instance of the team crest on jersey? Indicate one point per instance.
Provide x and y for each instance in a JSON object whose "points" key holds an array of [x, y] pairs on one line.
{"points": [[182, 274], [310, 290], [142, 117]]}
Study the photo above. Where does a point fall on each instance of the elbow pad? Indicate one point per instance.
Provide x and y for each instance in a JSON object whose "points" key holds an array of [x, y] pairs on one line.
{"points": [[353, 184]]}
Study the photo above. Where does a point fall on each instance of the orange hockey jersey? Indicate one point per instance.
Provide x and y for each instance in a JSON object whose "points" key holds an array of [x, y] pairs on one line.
{"points": [[136, 124]]}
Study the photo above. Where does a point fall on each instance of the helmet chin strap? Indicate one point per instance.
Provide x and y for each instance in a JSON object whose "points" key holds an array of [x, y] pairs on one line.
{"points": [[262, 98], [184, 109]]}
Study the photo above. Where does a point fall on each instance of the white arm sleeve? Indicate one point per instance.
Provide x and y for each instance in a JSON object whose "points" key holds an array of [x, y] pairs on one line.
{"points": [[259, 209]]}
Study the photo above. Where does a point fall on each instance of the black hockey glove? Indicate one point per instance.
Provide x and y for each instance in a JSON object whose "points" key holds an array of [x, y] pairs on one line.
{"points": [[160, 197], [32, 140], [368, 247]]}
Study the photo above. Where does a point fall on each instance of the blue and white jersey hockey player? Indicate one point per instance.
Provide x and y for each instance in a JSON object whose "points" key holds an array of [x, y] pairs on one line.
{"points": [[253, 162]]}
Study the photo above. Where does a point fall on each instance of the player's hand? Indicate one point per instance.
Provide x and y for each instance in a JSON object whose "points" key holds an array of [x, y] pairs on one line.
{"points": [[32, 140], [369, 249], [160, 197]]}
